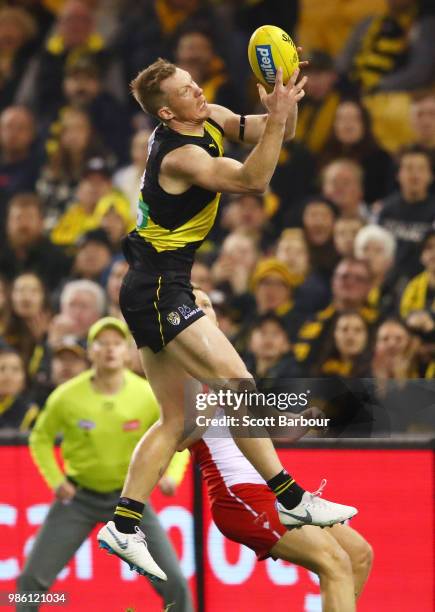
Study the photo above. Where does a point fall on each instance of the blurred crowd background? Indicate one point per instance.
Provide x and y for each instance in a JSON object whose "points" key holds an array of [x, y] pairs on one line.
{"points": [[331, 273]]}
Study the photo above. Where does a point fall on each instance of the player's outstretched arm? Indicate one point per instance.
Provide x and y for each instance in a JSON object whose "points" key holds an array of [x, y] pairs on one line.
{"points": [[191, 165], [255, 124]]}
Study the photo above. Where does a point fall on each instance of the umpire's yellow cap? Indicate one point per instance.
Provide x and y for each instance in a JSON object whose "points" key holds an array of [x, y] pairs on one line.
{"points": [[105, 323]]}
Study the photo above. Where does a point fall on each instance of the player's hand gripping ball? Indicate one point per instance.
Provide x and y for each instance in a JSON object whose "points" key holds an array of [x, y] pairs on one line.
{"points": [[269, 49]]}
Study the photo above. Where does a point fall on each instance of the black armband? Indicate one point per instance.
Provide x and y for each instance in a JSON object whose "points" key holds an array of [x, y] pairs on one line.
{"points": [[242, 128]]}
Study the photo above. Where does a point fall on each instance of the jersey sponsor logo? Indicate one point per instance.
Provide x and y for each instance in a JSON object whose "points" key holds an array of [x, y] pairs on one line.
{"points": [[173, 318], [131, 425], [265, 62], [86, 424], [187, 312]]}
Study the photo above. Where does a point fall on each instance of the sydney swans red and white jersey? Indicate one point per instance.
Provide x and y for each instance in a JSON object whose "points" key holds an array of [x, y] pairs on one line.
{"points": [[220, 461]]}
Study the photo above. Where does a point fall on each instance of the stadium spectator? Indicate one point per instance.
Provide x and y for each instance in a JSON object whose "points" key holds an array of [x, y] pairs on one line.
{"points": [[235, 263], [18, 31], [394, 51], [114, 282], [352, 138], [61, 325], [423, 121], [342, 183], [201, 276], [272, 288], [81, 215], [295, 169], [351, 284], [421, 323], [246, 214], [71, 147], [195, 53], [114, 215], [5, 306], [26, 248], [318, 107], [345, 231], [347, 354], [419, 294], [395, 352], [27, 329], [318, 218], [19, 160], [69, 359], [248, 15], [17, 412], [84, 89], [269, 350], [377, 246], [93, 257], [128, 179], [327, 25], [74, 37], [150, 30], [310, 289], [84, 302], [410, 212]]}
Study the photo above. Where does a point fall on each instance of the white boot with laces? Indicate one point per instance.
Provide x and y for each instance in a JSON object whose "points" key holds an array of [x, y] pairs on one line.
{"points": [[131, 548], [313, 510]]}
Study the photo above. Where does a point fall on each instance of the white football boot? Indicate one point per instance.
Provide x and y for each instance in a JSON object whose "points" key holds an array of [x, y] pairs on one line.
{"points": [[313, 510], [131, 548]]}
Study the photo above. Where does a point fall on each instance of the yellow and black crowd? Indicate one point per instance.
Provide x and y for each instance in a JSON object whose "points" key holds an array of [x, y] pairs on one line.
{"points": [[331, 273]]}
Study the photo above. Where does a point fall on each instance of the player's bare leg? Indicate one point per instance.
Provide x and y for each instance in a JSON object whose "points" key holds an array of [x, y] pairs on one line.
{"points": [[156, 448], [316, 550], [359, 551]]}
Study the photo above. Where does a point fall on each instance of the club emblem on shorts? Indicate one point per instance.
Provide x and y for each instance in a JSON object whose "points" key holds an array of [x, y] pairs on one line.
{"points": [[174, 318]]}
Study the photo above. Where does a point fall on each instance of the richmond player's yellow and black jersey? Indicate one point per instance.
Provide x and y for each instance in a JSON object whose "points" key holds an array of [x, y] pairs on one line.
{"points": [[176, 223]]}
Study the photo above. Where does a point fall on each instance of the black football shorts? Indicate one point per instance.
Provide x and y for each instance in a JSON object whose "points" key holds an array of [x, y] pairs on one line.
{"points": [[157, 307]]}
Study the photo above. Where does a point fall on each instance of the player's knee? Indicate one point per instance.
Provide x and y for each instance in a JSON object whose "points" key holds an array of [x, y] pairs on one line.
{"points": [[335, 563], [173, 427], [362, 558]]}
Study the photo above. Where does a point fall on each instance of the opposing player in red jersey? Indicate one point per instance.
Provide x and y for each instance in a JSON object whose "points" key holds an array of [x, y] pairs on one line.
{"points": [[244, 510]]}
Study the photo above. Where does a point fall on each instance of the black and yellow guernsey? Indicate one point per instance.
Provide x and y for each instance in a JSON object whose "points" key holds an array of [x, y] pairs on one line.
{"points": [[172, 227]]}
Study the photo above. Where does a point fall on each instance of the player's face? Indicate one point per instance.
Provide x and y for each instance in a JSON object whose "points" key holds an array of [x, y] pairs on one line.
{"points": [[109, 351], [203, 301], [185, 99], [350, 335]]}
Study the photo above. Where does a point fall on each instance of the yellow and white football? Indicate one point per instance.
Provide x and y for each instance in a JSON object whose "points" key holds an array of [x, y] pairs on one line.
{"points": [[271, 48]]}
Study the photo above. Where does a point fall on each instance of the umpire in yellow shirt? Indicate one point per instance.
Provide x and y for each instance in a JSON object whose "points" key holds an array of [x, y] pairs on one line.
{"points": [[102, 414]]}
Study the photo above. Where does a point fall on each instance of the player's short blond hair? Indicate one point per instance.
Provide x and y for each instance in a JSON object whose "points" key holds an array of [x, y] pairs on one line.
{"points": [[146, 86]]}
